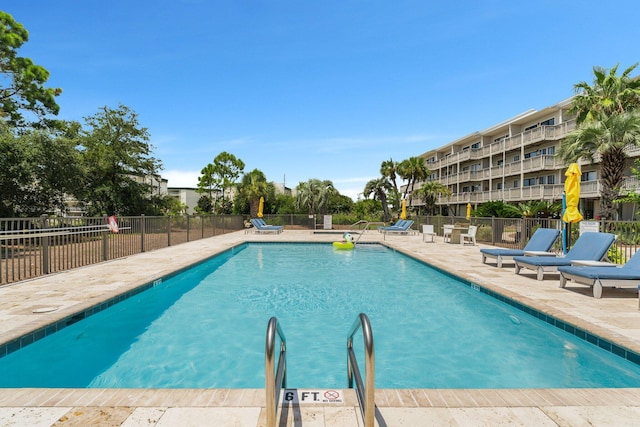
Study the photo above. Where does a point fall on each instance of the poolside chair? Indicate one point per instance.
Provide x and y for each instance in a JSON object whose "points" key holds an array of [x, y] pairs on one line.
{"points": [[405, 228], [590, 246], [541, 241], [261, 227], [603, 275], [447, 232], [428, 232], [397, 225], [469, 236]]}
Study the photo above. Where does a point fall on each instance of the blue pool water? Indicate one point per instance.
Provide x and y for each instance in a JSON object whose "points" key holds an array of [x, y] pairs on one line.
{"points": [[206, 327]]}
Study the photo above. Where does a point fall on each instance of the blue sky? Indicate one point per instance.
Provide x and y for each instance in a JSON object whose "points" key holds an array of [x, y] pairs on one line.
{"points": [[319, 89]]}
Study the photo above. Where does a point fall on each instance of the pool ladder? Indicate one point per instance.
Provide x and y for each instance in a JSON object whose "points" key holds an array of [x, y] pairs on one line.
{"points": [[366, 227], [276, 377]]}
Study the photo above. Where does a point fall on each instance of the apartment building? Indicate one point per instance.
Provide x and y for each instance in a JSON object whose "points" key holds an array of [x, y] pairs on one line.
{"points": [[515, 161]]}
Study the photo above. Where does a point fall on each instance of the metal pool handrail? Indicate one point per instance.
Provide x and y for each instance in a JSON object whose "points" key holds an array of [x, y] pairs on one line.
{"points": [[366, 391], [274, 382]]}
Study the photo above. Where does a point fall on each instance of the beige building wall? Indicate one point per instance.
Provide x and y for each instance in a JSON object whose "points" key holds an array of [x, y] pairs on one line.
{"points": [[515, 161]]}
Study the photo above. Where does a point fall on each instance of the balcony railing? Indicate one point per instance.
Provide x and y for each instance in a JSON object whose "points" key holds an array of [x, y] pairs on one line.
{"points": [[542, 133], [588, 189]]}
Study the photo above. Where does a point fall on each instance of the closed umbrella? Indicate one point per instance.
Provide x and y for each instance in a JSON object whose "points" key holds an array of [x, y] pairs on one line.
{"points": [[260, 207], [469, 210], [403, 213], [572, 192]]}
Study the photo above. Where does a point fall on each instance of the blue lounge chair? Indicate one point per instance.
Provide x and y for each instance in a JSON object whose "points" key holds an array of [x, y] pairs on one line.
{"points": [[262, 227], [402, 228], [590, 246], [604, 275], [541, 241], [397, 225]]}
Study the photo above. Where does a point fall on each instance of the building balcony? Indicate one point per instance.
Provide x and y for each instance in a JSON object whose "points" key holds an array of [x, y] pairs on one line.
{"points": [[550, 192], [532, 136]]}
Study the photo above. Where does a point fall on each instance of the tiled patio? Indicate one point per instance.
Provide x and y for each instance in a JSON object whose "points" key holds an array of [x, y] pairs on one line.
{"points": [[615, 317]]}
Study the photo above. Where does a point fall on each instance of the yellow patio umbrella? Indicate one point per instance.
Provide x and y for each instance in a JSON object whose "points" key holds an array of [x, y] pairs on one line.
{"points": [[403, 213], [572, 190], [260, 207], [469, 210]]}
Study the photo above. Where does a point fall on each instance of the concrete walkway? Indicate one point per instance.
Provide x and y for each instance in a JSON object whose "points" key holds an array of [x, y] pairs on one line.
{"points": [[31, 305]]}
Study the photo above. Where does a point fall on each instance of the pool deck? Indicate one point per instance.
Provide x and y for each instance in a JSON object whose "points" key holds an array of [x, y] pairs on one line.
{"points": [[30, 305]]}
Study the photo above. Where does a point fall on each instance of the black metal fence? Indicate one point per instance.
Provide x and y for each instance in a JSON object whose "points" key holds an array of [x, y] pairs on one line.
{"points": [[32, 247]]}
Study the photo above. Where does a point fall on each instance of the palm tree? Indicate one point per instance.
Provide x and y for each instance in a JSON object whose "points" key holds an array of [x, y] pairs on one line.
{"points": [[608, 120], [253, 185], [379, 188], [609, 95], [314, 195], [412, 170], [389, 169], [429, 193], [607, 137]]}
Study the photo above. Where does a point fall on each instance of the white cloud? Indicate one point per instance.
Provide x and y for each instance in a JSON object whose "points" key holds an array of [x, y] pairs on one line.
{"points": [[181, 178]]}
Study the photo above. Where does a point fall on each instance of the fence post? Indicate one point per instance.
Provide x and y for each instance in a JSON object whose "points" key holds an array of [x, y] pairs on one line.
{"points": [[188, 228], [44, 242], [105, 241], [202, 226], [142, 226], [105, 245], [168, 230], [493, 229]]}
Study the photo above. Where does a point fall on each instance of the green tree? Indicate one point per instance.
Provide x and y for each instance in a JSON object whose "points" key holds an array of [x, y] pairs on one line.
{"points": [[412, 170], [205, 205], [379, 188], [498, 209], [252, 186], [228, 169], [22, 85], [208, 183], [314, 195], [117, 157], [37, 169], [608, 95], [607, 137], [339, 203], [389, 169], [608, 122], [429, 193]]}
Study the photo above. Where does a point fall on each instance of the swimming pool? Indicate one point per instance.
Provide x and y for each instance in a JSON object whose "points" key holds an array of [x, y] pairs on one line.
{"points": [[205, 327]]}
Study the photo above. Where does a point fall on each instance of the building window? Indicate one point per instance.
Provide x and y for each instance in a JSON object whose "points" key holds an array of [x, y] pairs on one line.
{"points": [[500, 162], [588, 176], [516, 183], [528, 182], [516, 158], [551, 150], [550, 122], [530, 127], [551, 179], [499, 186], [476, 145]]}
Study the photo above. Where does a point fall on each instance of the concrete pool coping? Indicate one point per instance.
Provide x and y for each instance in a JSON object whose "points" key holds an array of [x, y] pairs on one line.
{"points": [[31, 305]]}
